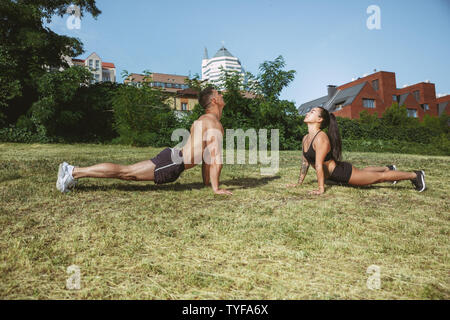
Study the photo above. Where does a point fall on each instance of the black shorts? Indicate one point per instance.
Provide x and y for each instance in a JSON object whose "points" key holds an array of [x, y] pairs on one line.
{"points": [[166, 169], [342, 172]]}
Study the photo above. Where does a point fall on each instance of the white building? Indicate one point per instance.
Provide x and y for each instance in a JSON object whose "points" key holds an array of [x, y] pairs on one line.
{"points": [[211, 68], [102, 71]]}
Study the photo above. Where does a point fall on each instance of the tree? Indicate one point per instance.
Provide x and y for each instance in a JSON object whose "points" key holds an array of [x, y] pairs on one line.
{"points": [[272, 78], [54, 113], [142, 117], [30, 48], [397, 115]]}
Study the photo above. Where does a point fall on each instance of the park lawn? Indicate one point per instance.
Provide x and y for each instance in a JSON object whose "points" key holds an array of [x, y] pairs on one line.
{"points": [[136, 240]]}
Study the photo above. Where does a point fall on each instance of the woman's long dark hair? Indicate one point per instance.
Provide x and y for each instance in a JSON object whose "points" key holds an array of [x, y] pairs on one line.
{"points": [[330, 122]]}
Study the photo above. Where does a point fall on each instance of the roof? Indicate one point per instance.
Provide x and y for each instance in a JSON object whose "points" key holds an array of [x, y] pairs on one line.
{"points": [[104, 64], [160, 77], [443, 98], [402, 99], [108, 65], [345, 97], [442, 106], [223, 52], [168, 78], [188, 92], [135, 77]]}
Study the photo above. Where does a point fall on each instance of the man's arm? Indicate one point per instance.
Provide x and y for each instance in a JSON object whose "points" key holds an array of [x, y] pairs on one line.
{"points": [[205, 173], [214, 161]]}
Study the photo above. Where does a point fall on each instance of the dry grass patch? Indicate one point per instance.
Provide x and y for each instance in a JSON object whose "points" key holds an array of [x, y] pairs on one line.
{"points": [[135, 240]]}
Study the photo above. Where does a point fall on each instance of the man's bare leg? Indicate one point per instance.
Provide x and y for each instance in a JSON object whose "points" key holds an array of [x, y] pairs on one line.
{"points": [[142, 171]]}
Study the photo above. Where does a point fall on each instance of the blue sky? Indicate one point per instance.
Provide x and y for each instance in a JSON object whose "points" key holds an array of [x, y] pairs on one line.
{"points": [[326, 42]]}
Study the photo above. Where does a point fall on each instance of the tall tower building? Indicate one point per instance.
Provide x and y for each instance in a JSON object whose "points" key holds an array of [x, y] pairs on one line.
{"points": [[211, 68]]}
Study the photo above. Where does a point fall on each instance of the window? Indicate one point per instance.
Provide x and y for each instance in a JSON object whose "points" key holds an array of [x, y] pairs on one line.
{"points": [[338, 106], [375, 85], [417, 95], [184, 106], [168, 85], [411, 113], [97, 64], [90, 63], [394, 98], [425, 107], [97, 77], [369, 103]]}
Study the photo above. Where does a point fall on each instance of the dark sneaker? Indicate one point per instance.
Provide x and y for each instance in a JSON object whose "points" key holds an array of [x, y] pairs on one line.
{"points": [[392, 167], [419, 181]]}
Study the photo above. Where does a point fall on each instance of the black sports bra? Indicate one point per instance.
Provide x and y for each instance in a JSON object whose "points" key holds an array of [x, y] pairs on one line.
{"points": [[310, 155]]}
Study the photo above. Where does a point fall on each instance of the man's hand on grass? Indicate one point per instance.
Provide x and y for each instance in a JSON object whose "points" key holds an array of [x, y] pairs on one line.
{"points": [[317, 192]]}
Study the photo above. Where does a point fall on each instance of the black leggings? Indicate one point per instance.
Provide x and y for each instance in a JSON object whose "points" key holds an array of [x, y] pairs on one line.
{"points": [[342, 172]]}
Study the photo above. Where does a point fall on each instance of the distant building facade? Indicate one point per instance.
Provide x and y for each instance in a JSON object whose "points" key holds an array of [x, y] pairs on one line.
{"points": [[180, 97], [184, 100], [168, 82], [375, 93], [211, 68], [102, 71]]}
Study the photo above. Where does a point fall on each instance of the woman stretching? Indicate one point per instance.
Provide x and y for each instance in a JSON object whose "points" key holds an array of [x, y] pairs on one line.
{"points": [[323, 152]]}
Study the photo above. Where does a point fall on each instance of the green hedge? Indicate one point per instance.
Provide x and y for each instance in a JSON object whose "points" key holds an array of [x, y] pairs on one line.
{"points": [[440, 147]]}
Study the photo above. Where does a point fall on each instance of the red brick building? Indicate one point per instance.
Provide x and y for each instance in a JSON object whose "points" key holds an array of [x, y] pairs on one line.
{"points": [[376, 93]]}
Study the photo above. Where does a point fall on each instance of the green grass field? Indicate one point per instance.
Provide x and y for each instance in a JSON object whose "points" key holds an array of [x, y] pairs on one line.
{"points": [[136, 240]]}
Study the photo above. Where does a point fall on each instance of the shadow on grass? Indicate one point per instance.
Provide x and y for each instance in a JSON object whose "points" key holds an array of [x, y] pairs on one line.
{"points": [[243, 183], [10, 177]]}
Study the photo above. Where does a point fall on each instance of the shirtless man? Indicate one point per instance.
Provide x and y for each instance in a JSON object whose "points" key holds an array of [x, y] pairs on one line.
{"points": [[203, 146]]}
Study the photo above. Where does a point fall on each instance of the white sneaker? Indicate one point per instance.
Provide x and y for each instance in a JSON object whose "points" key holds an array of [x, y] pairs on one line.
{"points": [[65, 179], [61, 174]]}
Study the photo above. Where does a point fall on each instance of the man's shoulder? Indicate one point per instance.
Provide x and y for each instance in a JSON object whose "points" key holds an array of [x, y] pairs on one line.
{"points": [[208, 121]]}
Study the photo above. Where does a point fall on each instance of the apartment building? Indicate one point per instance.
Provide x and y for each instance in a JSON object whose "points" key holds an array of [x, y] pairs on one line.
{"points": [[168, 82], [375, 93], [101, 70]]}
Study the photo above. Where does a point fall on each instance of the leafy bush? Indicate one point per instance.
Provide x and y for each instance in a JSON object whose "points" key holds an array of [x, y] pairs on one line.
{"points": [[22, 135], [69, 110], [142, 117]]}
